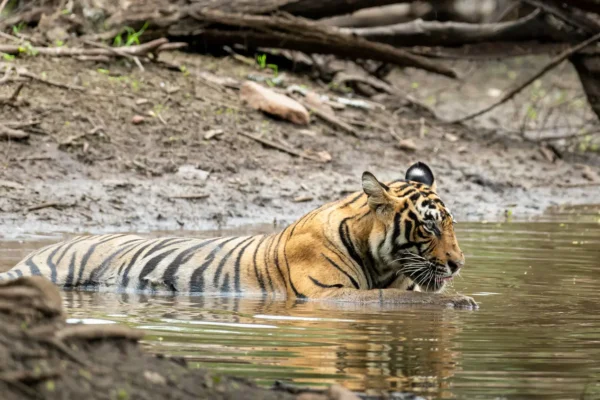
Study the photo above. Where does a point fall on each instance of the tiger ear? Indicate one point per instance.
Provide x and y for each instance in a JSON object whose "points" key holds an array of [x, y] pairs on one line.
{"points": [[420, 172], [377, 192]]}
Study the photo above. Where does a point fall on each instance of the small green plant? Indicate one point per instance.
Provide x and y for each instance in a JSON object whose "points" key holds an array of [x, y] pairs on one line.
{"points": [[18, 28], [103, 71], [132, 37], [261, 60], [28, 49], [59, 43], [7, 57]]}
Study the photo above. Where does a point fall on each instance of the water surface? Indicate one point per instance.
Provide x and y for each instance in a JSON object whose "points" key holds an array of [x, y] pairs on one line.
{"points": [[536, 335]]}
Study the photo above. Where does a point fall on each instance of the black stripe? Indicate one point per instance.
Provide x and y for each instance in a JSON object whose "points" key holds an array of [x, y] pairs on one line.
{"points": [[51, 264], [71, 273], [225, 286], [344, 258], [97, 272], [408, 225], [236, 267], [296, 292], [219, 270], [319, 284], [151, 266], [69, 245], [171, 270], [19, 273], [352, 280], [276, 258], [164, 243], [415, 197], [125, 278], [259, 278], [266, 263], [344, 233], [352, 200], [89, 253], [197, 278]]}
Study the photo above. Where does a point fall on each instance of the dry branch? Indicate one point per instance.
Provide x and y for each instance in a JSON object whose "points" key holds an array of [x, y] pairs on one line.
{"points": [[10, 133], [303, 35], [549, 66], [435, 33], [279, 147]]}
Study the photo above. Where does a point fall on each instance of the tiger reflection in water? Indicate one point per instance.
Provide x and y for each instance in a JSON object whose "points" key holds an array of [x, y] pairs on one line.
{"points": [[360, 346]]}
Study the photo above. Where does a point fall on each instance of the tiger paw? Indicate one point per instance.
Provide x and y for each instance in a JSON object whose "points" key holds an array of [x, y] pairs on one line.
{"points": [[457, 301]]}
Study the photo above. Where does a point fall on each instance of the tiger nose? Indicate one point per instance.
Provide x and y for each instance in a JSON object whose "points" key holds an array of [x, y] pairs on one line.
{"points": [[455, 263]]}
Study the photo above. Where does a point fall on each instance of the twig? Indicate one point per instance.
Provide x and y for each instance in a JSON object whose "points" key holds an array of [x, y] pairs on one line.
{"points": [[117, 52], [51, 83], [48, 205], [279, 147], [13, 97], [553, 63], [9, 133], [192, 196], [331, 119]]}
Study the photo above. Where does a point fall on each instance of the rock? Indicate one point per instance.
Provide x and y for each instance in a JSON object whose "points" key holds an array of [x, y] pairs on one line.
{"points": [[314, 100], [451, 137], [590, 174], [407, 144], [261, 98], [137, 119], [190, 172], [324, 155]]}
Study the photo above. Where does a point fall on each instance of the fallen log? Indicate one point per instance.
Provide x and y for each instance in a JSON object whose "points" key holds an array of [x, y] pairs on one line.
{"points": [[217, 28], [435, 33]]}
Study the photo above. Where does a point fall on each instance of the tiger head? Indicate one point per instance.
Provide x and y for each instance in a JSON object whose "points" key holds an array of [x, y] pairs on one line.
{"points": [[413, 231]]}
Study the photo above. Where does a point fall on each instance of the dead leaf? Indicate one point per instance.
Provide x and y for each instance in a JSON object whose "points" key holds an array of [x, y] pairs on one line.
{"points": [[270, 102], [213, 133], [324, 155], [407, 144]]}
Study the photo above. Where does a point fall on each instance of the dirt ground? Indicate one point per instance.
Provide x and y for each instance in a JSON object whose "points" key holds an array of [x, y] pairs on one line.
{"points": [[88, 167]]}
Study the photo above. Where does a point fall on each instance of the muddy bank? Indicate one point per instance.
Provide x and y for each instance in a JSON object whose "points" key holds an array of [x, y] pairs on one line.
{"points": [[42, 357], [88, 167]]}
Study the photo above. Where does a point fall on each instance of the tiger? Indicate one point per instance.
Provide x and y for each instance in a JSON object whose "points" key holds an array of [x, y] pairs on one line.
{"points": [[389, 243]]}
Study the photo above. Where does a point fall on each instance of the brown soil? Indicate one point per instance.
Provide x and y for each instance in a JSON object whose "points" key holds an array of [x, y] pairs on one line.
{"points": [[87, 167]]}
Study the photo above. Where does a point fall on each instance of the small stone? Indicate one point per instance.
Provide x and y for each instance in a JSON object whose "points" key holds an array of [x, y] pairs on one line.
{"points": [[303, 199], [407, 145], [141, 102], [590, 174], [451, 137], [213, 133], [324, 155], [261, 98], [155, 377], [190, 172], [137, 119]]}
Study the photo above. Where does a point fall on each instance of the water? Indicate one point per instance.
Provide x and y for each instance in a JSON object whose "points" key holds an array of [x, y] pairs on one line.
{"points": [[536, 335]]}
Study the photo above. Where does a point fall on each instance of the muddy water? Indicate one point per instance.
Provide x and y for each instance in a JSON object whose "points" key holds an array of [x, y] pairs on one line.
{"points": [[536, 336]]}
